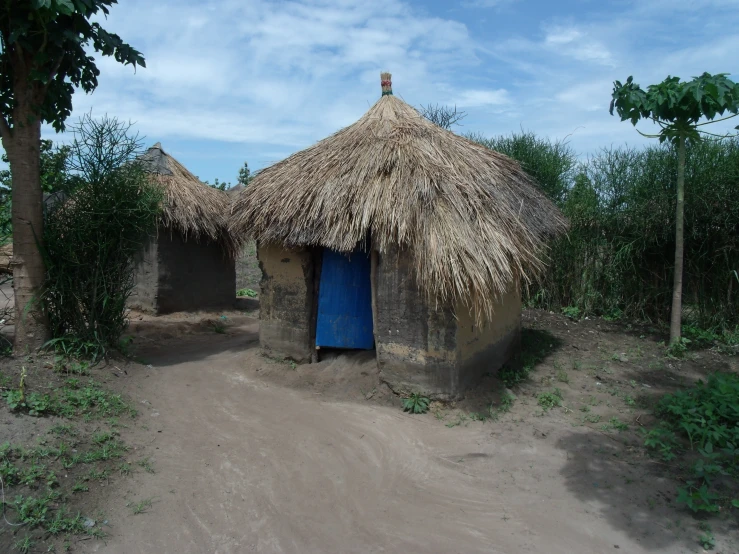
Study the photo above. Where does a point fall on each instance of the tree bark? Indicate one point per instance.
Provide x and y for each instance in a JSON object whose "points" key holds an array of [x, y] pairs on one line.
{"points": [[22, 147], [677, 288]]}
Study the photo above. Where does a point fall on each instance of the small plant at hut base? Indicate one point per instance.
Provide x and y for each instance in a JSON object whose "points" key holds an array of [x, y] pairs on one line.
{"points": [[416, 403], [248, 293]]}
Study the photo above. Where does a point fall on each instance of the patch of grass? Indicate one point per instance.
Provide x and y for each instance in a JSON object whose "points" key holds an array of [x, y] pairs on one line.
{"points": [[706, 539], [80, 486], [461, 418], [416, 403], [71, 400], [615, 424], [97, 475], [249, 293], [141, 507], [23, 545], [591, 418], [550, 399], [107, 451], [63, 429], [145, 463], [562, 376], [124, 468]]}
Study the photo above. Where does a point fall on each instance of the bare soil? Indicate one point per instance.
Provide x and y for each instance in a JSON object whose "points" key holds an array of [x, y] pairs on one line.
{"points": [[258, 455]]}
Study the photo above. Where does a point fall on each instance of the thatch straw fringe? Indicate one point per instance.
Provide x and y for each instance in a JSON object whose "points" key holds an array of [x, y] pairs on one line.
{"points": [[469, 218], [194, 209]]}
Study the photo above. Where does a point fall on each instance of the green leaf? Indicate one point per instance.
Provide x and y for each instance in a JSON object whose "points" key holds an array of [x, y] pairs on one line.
{"points": [[65, 6]]}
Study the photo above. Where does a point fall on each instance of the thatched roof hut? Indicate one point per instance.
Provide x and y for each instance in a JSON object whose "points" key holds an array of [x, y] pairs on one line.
{"points": [[190, 207], [465, 222], [189, 265], [471, 218]]}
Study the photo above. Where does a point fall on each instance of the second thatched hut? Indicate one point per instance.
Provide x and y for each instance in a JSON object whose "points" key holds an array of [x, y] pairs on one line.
{"points": [[189, 264], [397, 235]]}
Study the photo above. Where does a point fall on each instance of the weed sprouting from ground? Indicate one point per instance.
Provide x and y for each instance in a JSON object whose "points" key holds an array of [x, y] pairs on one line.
{"points": [[146, 465], [550, 399], [416, 403], [141, 507]]}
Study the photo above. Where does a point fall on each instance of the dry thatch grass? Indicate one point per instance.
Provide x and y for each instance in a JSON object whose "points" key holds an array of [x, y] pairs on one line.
{"points": [[190, 206], [469, 218]]}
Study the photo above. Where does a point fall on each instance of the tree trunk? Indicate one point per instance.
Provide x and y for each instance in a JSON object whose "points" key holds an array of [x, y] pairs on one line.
{"points": [[31, 323], [677, 288]]}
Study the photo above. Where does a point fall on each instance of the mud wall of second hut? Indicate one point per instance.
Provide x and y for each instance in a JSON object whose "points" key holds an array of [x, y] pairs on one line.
{"points": [[286, 301], [193, 275], [174, 274], [434, 349], [146, 279]]}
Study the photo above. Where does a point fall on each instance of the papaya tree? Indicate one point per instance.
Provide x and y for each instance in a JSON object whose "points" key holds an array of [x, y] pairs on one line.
{"points": [[44, 56], [680, 109]]}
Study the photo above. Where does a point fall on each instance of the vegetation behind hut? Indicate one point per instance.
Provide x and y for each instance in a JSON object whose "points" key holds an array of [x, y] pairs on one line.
{"points": [[618, 256]]}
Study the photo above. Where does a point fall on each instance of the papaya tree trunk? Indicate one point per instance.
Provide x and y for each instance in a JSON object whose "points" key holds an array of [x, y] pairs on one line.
{"points": [[22, 148], [677, 288]]}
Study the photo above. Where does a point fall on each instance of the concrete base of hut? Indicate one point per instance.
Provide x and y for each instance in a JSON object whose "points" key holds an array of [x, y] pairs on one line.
{"points": [[174, 274], [432, 349], [436, 349]]}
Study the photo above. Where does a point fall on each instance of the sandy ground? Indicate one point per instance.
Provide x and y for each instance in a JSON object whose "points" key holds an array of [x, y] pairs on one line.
{"points": [[252, 455]]}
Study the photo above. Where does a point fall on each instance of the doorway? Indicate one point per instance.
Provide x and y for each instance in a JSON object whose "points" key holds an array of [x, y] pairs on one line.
{"points": [[345, 301]]}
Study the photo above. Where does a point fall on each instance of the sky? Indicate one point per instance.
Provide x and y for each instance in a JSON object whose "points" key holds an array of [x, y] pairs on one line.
{"points": [[229, 81]]}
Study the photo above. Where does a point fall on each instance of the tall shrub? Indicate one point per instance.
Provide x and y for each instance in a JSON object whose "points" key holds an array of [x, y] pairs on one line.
{"points": [[91, 240], [618, 257]]}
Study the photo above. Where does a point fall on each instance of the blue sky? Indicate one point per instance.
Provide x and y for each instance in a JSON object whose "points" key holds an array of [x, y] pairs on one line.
{"points": [[229, 81]]}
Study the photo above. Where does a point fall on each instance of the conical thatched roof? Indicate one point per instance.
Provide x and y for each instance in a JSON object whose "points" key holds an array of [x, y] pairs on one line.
{"points": [[470, 218], [190, 206]]}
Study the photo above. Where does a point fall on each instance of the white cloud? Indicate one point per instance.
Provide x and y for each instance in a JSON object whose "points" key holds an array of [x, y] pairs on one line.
{"points": [[475, 98], [263, 78], [578, 44], [487, 3]]}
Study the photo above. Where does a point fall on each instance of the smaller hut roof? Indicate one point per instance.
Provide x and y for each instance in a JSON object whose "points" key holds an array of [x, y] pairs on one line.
{"points": [[190, 206]]}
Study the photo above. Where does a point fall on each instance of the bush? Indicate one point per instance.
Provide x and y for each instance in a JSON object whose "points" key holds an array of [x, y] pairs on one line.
{"points": [[617, 258], [707, 414], [91, 240]]}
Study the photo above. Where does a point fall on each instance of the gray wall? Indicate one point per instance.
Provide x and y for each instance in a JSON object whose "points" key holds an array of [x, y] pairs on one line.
{"points": [[438, 350], [146, 278], [416, 344], [193, 276], [175, 275]]}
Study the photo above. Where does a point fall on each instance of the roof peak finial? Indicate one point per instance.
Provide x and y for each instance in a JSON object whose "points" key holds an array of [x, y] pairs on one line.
{"points": [[387, 84]]}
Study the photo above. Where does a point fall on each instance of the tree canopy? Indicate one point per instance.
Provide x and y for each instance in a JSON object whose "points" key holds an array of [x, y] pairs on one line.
{"points": [[44, 50]]}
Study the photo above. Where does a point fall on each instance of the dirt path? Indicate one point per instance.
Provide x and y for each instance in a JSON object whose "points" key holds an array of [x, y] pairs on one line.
{"points": [[244, 464]]}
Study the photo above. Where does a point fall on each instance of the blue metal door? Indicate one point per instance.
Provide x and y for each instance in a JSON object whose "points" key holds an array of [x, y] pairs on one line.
{"points": [[345, 301]]}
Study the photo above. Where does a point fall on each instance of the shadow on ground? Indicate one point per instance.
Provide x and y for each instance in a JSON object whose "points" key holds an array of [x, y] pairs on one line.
{"points": [[633, 492], [165, 343]]}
